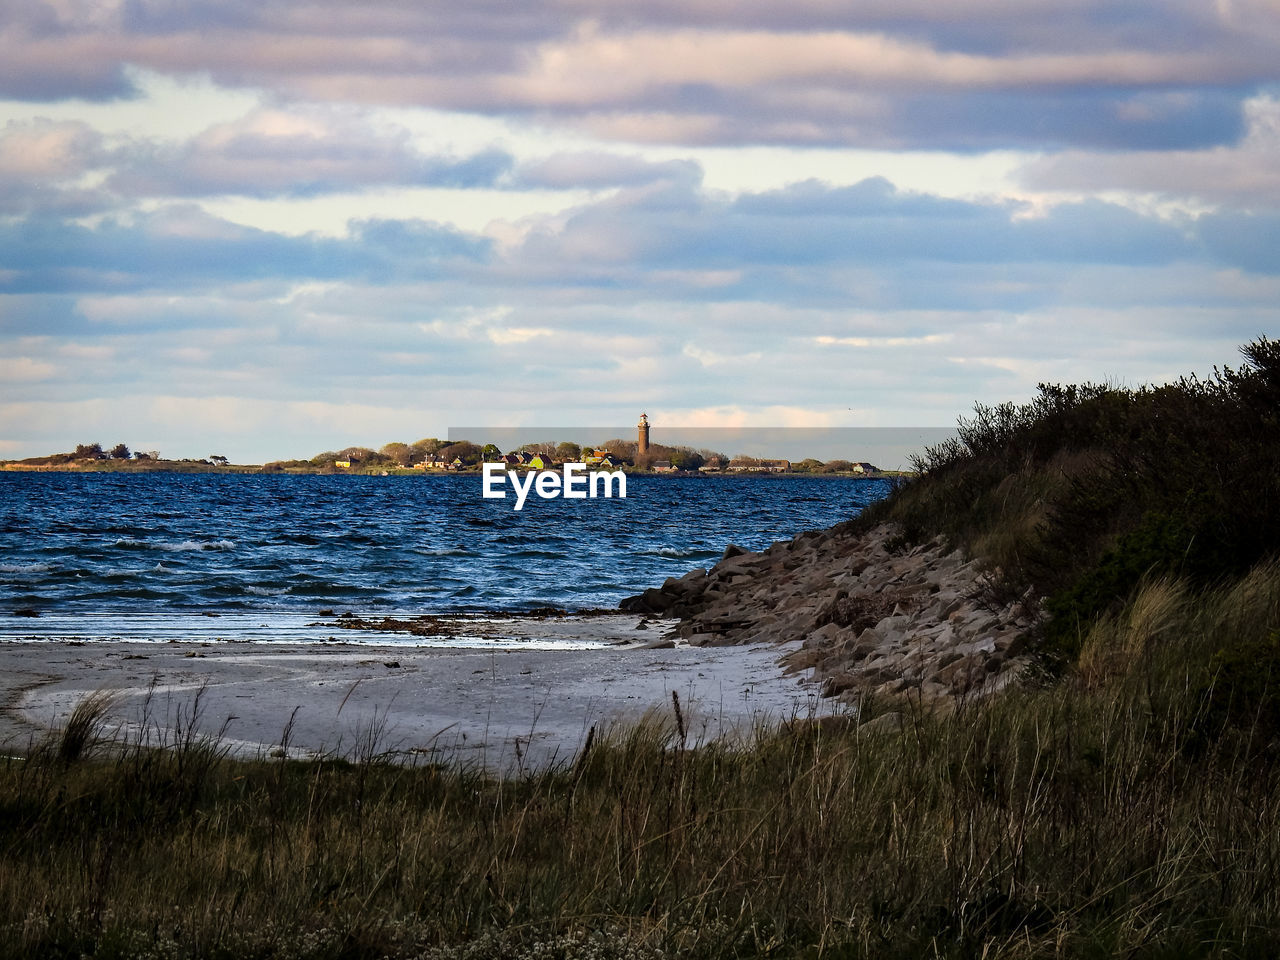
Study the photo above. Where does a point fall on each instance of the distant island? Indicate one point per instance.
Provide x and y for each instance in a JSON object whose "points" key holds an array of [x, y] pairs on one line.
{"points": [[432, 455]]}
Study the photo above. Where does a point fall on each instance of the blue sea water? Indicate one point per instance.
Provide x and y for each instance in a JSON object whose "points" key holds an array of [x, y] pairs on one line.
{"points": [[261, 543]]}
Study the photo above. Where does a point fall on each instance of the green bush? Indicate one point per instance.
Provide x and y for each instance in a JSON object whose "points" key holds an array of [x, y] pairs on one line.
{"points": [[1085, 489], [1240, 694]]}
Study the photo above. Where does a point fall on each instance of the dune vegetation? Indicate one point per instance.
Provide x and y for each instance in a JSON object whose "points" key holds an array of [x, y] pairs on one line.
{"points": [[1124, 801]]}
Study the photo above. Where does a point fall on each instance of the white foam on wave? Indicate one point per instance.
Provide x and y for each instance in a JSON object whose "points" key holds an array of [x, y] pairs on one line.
{"points": [[267, 591], [25, 567], [189, 545], [676, 553], [186, 546]]}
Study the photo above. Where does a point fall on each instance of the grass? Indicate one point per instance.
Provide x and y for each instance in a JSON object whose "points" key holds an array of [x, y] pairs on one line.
{"points": [[1085, 491], [85, 726], [1126, 804], [1132, 806]]}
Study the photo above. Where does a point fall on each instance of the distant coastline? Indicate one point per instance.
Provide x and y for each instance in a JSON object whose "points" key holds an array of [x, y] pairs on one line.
{"points": [[434, 456], [203, 467]]}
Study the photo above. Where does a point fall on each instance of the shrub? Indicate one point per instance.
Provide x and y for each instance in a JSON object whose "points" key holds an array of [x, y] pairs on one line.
{"points": [[1240, 692], [1084, 490]]}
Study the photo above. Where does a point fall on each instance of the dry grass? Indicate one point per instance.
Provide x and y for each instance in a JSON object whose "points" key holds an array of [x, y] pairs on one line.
{"points": [[85, 726], [1115, 645], [1097, 817]]}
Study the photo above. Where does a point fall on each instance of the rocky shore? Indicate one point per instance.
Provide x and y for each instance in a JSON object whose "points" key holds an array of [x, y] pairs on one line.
{"points": [[871, 619]]}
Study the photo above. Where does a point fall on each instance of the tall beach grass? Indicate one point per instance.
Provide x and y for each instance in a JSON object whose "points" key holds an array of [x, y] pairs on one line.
{"points": [[1131, 807]]}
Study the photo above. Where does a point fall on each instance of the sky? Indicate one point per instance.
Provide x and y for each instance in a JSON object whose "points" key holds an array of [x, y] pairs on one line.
{"points": [[266, 229]]}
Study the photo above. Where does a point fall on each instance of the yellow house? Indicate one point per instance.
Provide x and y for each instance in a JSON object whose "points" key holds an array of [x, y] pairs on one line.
{"points": [[342, 463]]}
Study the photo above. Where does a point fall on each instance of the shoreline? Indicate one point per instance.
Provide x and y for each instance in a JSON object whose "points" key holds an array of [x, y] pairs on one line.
{"points": [[506, 705], [545, 628]]}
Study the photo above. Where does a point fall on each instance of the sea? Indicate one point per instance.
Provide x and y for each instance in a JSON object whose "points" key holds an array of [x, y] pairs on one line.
{"points": [[159, 555]]}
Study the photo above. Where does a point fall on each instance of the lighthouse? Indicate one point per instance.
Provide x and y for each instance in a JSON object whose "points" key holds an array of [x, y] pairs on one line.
{"points": [[642, 429]]}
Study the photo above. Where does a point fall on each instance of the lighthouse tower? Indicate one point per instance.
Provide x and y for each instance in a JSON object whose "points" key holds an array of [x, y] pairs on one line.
{"points": [[643, 434]]}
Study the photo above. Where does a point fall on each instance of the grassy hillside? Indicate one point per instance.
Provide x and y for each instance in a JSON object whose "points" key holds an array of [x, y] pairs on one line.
{"points": [[1087, 490], [1128, 805]]}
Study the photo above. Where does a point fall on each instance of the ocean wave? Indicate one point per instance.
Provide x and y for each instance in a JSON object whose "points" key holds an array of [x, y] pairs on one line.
{"points": [[267, 591], [678, 553], [25, 567], [444, 552], [186, 546]]}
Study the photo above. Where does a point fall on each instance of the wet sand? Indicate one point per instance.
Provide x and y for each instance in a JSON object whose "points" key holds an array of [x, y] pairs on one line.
{"points": [[525, 701]]}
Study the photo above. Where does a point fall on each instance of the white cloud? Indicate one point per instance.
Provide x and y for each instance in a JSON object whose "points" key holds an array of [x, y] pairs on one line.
{"points": [[509, 335], [27, 370], [829, 341], [710, 358]]}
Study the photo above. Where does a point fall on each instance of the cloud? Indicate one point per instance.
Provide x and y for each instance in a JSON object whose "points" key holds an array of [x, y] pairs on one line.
{"points": [[295, 152], [25, 369], [181, 247], [808, 298], [669, 226], [1243, 174], [1250, 242], [595, 169], [40, 163], [42, 150], [1168, 74]]}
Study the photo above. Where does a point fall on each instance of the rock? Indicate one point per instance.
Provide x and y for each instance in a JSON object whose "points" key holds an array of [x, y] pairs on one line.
{"points": [[867, 619], [885, 723], [824, 635], [932, 690], [836, 685], [651, 601], [890, 687]]}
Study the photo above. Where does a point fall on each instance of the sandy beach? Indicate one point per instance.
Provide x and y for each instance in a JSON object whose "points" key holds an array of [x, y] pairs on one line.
{"points": [[506, 705]]}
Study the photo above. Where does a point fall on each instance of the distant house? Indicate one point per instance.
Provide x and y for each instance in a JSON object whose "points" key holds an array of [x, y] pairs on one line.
{"points": [[539, 462], [457, 463], [522, 458], [662, 466], [345, 464], [511, 459], [863, 467], [420, 466], [752, 465], [607, 461]]}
